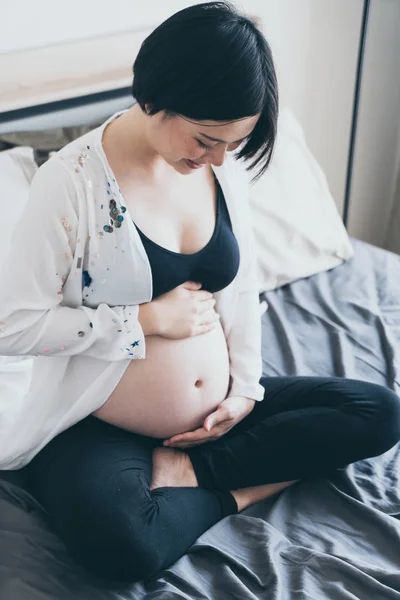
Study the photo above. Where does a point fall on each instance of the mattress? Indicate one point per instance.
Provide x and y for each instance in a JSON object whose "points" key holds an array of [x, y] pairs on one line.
{"points": [[333, 538]]}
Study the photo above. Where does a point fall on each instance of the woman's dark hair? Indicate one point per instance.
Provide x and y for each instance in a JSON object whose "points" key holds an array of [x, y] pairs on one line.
{"points": [[209, 62]]}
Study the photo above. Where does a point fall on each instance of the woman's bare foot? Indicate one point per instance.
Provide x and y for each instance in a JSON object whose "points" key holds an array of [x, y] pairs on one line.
{"points": [[172, 468], [247, 496]]}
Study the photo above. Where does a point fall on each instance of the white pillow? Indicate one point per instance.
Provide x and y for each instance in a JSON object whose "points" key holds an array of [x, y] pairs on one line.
{"points": [[297, 226], [17, 168]]}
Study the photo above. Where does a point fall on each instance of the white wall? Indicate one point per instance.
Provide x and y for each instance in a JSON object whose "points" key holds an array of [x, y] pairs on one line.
{"points": [[315, 44], [378, 136], [392, 241], [31, 24]]}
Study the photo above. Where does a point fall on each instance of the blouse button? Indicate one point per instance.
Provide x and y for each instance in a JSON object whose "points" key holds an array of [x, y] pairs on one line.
{"points": [[81, 333]]}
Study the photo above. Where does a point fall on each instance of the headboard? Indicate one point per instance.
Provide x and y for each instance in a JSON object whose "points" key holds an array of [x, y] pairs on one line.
{"points": [[70, 84]]}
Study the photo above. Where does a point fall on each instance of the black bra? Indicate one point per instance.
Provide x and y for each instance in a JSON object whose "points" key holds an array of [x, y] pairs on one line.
{"points": [[215, 265]]}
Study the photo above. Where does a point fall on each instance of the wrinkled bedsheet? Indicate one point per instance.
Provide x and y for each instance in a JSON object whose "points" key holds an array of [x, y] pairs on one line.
{"points": [[335, 538]]}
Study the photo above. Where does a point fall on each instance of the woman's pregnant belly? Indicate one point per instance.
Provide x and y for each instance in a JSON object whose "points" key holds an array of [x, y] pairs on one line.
{"points": [[172, 390]]}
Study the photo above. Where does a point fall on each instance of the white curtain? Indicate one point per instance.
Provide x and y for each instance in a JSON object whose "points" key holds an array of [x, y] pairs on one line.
{"points": [[393, 235]]}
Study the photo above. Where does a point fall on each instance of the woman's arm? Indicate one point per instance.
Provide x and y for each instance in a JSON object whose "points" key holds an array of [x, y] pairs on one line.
{"points": [[32, 319], [244, 339]]}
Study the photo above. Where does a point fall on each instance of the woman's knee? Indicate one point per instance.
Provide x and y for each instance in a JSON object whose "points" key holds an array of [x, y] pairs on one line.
{"points": [[385, 431]]}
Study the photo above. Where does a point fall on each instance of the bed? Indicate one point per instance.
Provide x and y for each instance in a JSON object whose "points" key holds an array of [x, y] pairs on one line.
{"points": [[335, 538]]}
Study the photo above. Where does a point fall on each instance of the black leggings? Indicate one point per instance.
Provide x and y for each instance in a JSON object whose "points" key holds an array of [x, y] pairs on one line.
{"points": [[93, 479]]}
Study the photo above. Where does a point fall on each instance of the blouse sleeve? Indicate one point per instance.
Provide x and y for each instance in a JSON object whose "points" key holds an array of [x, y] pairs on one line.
{"points": [[244, 339], [33, 320]]}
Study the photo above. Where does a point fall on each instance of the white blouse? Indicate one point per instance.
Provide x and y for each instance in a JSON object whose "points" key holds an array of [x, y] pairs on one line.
{"points": [[70, 295]]}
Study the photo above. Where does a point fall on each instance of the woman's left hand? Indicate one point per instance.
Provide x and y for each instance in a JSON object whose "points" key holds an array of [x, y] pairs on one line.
{"points": [[229, 412]]}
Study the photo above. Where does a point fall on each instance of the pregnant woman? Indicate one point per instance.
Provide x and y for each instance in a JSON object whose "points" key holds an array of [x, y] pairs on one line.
{"points": [[131, 287]]}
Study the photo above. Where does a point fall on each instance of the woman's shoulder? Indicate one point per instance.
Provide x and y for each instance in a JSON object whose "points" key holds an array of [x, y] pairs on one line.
{"points": [[71, 172], [75, 161], [82, 155]]}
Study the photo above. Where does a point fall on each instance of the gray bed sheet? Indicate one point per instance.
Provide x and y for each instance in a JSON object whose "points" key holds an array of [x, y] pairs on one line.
{"points": [[335, 538]]}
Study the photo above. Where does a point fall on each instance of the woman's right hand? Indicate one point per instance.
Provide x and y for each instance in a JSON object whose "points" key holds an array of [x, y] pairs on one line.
{"points": [[184, 312]]}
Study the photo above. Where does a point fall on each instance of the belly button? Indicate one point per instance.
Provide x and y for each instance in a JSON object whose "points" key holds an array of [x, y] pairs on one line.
{"points": [[198, 383]]}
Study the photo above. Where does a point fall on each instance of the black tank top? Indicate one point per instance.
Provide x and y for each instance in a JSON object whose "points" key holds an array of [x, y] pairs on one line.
{"points": [[215, 266]]}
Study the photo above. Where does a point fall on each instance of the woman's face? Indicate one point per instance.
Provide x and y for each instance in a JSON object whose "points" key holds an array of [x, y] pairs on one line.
{"points": [[178, 139]]}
